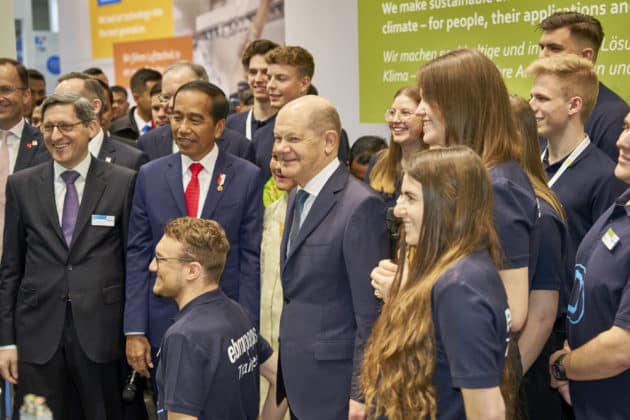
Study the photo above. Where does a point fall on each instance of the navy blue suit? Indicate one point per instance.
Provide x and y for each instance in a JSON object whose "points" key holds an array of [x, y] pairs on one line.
{"points": [[159, 197], [329, 305], [114, 151], [605, 123], [158, 143], [32, 149]]}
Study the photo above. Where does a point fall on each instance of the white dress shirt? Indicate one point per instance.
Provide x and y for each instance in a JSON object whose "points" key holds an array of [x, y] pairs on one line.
{"points": [[95, 144], [205, 176], [315, 185], [13, 141], [140, 123]]}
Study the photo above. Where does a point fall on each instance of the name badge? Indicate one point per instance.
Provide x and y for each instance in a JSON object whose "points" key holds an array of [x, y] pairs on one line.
{"points": [[610, 239], [103, 220]]}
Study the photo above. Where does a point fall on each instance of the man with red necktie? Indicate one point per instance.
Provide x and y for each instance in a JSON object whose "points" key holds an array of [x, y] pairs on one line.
{"points": [[200, 181]]}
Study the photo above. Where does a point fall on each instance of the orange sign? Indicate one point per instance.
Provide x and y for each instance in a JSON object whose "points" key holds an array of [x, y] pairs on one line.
{"points": [[155, 54]]}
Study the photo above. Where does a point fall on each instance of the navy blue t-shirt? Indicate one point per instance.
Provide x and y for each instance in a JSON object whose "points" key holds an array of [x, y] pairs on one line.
{"points": [[209, 361], [549, 254], [472, 322], [599, 300], [586, 189], [514, 212], [605, 123], [238, 123]]}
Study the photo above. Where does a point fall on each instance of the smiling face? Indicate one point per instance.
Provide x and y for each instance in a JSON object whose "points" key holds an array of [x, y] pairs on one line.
{"points": [[404, 124], [169, 278], [282, 182], [549, 105], [12, 105], [285, 84], [158, 111], [194, 129], [560, 41], [410, 209], [622, 170], [257, 77], [71, 148], [433, 127]]}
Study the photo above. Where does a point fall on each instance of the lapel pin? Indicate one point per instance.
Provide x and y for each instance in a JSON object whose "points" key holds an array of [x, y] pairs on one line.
{"points": [[220, 181], [29, 146], [108, 159], [34, 143]]}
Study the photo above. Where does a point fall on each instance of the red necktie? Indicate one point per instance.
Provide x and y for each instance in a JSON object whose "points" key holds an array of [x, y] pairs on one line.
{"points": [[192, 190]]}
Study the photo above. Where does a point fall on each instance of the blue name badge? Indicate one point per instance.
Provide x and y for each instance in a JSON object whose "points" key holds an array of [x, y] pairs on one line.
{"points": [[106, 2], [103, 220]]}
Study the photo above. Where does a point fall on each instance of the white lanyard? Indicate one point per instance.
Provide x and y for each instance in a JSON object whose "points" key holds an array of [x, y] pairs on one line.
{"points": [[248, 124], [568, 161]]}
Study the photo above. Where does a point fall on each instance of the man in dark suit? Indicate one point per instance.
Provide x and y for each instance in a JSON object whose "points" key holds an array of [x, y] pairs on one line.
{"points": [[138, 120], [201, 181], [63, 271], [335, 233], [159, 142], [102, 145]]}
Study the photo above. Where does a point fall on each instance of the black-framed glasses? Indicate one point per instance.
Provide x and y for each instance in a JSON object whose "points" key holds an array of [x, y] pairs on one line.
{"points": [[6, 90], [158, 260], [65, 128]]}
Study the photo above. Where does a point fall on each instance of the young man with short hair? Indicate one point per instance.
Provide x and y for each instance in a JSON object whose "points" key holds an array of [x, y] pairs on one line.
{"points": [[580, 34], [247, 122]]}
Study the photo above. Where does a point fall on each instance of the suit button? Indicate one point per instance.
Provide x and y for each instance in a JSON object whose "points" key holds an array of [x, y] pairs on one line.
{"points": [[287, 300], [69, 268]]}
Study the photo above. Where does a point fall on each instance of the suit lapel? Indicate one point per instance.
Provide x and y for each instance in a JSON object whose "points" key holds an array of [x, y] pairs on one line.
{"points": [[287, 227], [28, 148], [222, 170], [94, 187], [173, 176], [165, 145], [46, 193], [324, 202], [108, 151]]}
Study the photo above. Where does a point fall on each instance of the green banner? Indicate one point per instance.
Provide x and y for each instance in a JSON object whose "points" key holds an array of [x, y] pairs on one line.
{"points": [[397, 37]]}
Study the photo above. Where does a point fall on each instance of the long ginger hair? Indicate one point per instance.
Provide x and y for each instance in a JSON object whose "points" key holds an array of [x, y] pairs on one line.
{"points": [[399, 359], [386, 173]]}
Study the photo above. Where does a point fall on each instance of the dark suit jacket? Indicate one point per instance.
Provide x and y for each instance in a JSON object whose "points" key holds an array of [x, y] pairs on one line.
{"points": [[605, 123], [158, 143], [121, 154], [329, 305], [126, 126], [159, 197], [32, 149], [39, 271]]}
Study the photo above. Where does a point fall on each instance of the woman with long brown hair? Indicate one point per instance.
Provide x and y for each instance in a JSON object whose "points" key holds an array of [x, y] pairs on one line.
{"points": [[438, 348], [551, 282], [465, 102], [384, 173]]}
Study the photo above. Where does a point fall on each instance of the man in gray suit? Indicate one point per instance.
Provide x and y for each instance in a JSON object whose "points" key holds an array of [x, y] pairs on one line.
{"points": [[62, 278], [335, 234]]}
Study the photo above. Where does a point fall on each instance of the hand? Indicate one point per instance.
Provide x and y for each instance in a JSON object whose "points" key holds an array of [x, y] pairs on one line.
{"points": [[9, 365], [556, 384], [138, 352], [564, 392], [357, 411], [382, 277]]}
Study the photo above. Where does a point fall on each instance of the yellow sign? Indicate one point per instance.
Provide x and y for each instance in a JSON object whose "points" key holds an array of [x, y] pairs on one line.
{"points": [[128, 20]]}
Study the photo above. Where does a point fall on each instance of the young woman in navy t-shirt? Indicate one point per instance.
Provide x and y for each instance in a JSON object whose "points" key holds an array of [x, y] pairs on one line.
{"points": [[438, 349]]}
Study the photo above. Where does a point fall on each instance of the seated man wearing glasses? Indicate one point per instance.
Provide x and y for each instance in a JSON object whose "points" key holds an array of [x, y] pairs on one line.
{"points": [[210, 356]]}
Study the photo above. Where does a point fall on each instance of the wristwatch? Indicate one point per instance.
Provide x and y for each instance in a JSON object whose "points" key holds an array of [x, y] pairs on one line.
{"points": [[557, 369]]}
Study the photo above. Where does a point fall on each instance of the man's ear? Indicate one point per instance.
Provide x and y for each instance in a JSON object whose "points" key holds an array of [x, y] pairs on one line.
{"points": [[219, 126], [305, 83], [575, 105], [93, 128], [331, 142], [98, 106], [588, 53]]}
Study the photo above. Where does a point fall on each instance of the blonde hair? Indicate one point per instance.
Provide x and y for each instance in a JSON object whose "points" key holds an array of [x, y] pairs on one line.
{"points": [[575, 75], [399, 358]]}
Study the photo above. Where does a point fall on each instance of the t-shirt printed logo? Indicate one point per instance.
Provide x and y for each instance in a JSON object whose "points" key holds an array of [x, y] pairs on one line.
{"points": [[241, 347], [508, 324], [575, 309]]}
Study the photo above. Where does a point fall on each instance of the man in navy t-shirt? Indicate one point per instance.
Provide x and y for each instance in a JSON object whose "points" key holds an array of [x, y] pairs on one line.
{"points": [[210, 356], [593, 367]]}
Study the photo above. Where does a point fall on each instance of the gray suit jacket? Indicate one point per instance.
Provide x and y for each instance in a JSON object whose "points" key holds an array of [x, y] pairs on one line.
{"points": [[39, 271], [329, 304]]}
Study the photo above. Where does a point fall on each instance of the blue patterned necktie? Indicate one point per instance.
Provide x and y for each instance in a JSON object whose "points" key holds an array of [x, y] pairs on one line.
{"points": [[300, 198], [70, 205]]}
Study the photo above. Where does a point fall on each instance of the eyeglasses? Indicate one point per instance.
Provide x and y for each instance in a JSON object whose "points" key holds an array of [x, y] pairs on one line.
{"points": [[158, 260], [65, 128], [404, 114], [6, 90]]}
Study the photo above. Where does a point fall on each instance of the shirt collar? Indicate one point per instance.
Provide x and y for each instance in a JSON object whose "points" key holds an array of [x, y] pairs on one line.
{"points": [[315, 185], [620, 202], [140, 123], [82, 168], [17, 130], [94, 146], [208, 161], [200, 300]]}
